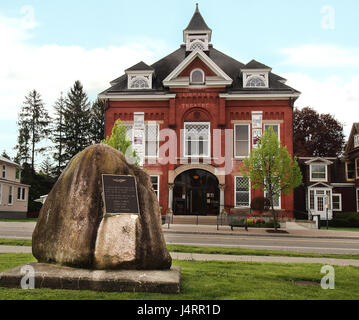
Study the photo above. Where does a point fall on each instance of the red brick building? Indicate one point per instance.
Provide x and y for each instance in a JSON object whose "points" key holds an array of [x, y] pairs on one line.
{"points": [[199, 93]]}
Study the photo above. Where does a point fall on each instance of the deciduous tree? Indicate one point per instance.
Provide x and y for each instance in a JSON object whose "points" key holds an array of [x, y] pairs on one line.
{"points": [[271, 168]]}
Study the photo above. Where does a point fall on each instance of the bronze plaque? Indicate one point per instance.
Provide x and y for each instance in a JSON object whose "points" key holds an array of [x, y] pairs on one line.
{"points": [[120, 194]]}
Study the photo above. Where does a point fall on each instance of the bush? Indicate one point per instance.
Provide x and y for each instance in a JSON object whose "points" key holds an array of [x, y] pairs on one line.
{"points": [[345, 220]]}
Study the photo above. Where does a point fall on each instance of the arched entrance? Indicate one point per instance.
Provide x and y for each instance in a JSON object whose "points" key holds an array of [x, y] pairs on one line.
{"points": [[196, 192]]}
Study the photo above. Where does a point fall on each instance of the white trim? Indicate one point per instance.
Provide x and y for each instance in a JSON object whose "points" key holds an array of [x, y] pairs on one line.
{"points": [[22, 190], [258, 96], [1, 192], [346, 171], [344, 184], [256, 74], [272, 125], [185, 141], [318, 179], [320, 160], [340, 201], [357, 196], [158, 185], [235, 140], [235, 192], [186, 62], [142, 97], [357, 168]]}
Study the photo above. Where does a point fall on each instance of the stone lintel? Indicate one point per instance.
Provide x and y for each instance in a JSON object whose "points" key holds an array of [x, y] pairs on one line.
{"points": [[59, 277]]}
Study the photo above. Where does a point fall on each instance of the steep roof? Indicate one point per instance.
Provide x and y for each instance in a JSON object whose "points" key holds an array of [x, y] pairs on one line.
{"points": [[141, 66], [229, 65], [350, 144], [197, 22], [253, 64]]}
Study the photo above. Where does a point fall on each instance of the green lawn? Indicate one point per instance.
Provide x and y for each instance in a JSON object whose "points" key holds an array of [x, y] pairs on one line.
{"points": [[15, 242], [19, 220], [216, 281]]}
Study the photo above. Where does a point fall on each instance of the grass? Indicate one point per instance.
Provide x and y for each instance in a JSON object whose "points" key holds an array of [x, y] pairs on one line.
{"points": [[19, 220], [15, 242], [214, 281], [252, 252], [216, 250]]}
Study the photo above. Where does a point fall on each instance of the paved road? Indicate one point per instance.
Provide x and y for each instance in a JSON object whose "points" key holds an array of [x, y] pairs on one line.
{"points": [[313, 245], [24, 230]]}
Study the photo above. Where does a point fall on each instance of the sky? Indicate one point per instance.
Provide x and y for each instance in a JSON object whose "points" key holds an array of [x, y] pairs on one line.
{"points": [[48, 45]]}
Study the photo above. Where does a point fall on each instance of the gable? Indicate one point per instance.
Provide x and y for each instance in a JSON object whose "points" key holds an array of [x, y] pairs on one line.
{"points": [[350, 144], [179, 77], [197, 63]]}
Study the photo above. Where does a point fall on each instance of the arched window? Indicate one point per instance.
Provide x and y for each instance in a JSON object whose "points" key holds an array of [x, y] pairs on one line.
{"points": [[197, 45], [139, 84], [197, 76], [256, 82]]}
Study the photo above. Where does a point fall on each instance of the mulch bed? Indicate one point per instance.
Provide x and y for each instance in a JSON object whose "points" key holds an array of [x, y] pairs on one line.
{"points": [[278, 231]]}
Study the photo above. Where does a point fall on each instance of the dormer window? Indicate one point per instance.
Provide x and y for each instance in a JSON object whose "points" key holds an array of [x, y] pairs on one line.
{"points": [[255, 81], [197, 76], [318, 172], [139, 84], [139, 77]]}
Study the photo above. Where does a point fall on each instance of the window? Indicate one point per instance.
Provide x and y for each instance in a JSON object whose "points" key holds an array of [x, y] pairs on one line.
{"points": [[152, 139], [356, 141], [155, 184], [255, 82], [10, 195], [242, 140], [350, 169], [197, 139], [318, 172], [276, 200], [0, 193], [139, 84], [357, 166], [197, 76], [18, 193], [358, 200], [337, 202], [4, 171], [311, 199], [242, 192], [275, 127]]}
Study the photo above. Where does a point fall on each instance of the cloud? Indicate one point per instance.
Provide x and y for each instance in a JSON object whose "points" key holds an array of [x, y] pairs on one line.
{"points": [[333, 95], [52, 68], [323, 56]]}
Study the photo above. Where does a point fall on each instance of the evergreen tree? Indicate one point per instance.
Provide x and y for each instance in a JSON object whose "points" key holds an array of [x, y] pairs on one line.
{"points": [[76, 121], [5, 155], [97, 120], [58, 137], [47, 167], [33, 128]]}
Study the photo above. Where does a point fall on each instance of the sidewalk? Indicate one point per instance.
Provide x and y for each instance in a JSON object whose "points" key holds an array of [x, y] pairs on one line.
{"points": [[258, 232], [221, 257]]}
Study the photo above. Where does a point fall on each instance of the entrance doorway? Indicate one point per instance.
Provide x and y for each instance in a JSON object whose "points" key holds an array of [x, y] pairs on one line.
{"points": [[196, 192]]}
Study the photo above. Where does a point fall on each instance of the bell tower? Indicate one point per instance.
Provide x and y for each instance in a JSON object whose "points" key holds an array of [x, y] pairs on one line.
{"points": [[197, 35]]}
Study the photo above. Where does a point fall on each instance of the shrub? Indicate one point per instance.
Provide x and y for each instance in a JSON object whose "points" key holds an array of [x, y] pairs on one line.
{"points": [[346, 220]]}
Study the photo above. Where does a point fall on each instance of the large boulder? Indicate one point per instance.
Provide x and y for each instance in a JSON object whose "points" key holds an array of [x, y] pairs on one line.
{"points": [[72, 227]]}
